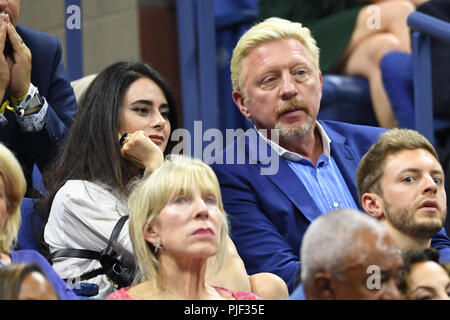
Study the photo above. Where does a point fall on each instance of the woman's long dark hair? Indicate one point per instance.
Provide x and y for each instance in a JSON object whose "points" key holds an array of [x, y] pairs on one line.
{"points": [[411, 257], [91, 150], [12, 277]]}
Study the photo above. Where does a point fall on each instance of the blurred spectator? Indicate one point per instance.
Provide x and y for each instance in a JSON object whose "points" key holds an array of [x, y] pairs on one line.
{"points": [[423, 277], [347, 255], [12, 189], [25, 281]]}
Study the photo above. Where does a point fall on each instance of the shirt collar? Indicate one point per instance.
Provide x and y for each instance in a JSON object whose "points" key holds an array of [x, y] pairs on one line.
{"points": [[293, 156]]}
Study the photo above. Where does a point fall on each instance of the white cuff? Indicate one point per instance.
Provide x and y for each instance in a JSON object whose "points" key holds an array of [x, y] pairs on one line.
{"points": [[33, 122]]}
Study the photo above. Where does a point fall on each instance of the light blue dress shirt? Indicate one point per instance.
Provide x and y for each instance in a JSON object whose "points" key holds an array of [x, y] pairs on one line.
{"points": [[324, 181]]}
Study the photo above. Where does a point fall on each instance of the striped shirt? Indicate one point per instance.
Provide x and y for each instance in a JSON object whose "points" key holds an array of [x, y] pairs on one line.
{"points": [[324, 181]]}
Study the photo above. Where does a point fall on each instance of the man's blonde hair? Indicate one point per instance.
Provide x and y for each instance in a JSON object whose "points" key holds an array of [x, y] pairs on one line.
{"points": [[15, 187], [372, 165], [265, 31], [176, 176]]}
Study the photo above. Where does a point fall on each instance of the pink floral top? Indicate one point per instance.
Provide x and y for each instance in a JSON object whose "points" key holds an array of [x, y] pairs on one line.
{"points": [[122, 294]]}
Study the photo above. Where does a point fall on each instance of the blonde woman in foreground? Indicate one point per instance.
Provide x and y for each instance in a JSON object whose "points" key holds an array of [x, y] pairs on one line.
{"points": [[177, 222]]}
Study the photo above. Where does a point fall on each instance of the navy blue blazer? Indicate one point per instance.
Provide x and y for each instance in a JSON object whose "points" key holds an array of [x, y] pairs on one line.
{"points": [[50, 77], [269, 214]]}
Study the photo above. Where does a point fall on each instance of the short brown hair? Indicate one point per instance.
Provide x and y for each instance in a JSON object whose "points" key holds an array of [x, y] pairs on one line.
{"points": [[371, 166], [411, 257]]}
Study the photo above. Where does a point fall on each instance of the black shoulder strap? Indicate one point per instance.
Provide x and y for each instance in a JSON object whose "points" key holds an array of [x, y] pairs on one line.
{"points": [[90, 254], [117, 228], [76, 253]]}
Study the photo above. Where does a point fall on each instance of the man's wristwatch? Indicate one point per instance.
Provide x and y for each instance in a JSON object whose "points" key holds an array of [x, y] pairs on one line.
{"points": [[32, 103]]}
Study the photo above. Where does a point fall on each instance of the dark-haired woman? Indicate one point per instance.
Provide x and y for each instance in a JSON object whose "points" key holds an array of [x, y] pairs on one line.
{"points": [[423, 277], [121, 130], [25, 281], [120, 133]]}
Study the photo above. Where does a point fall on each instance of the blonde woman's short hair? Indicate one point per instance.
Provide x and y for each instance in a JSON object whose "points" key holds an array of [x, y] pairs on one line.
{"points": [[176, 176], [15, 187], [265, 31]]}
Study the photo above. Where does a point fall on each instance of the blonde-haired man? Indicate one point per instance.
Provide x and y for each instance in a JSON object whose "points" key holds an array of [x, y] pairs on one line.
{"points": [[272, 29], [277, 84], [401, 182]]}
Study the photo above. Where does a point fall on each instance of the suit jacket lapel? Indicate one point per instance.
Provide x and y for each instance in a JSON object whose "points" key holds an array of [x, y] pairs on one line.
{"points": [[288, 182], [346, 160]]}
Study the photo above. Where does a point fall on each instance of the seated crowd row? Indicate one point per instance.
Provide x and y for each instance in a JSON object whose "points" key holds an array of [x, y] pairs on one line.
{"points": [[123, 218]]}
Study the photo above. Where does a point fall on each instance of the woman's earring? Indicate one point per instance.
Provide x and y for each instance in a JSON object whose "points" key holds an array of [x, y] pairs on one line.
{"points": [[157, 247]]}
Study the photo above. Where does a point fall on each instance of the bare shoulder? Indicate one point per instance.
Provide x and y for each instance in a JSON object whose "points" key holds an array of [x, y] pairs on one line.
{"points": [[268, 286]]}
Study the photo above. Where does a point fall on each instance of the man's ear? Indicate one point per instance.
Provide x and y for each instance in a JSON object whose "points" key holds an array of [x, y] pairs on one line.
{"points": [[239, 100], [322, 286], [373, 205], [321, 83]]}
